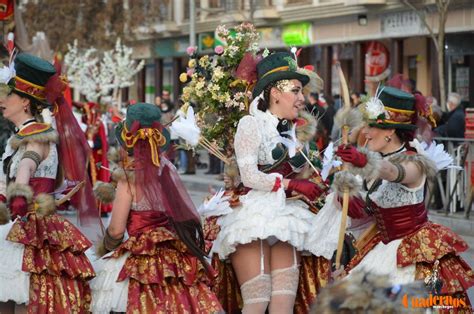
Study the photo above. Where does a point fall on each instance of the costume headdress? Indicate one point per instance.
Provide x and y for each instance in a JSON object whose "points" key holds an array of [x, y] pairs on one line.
{"points": [[276, 67], [391, 108]]}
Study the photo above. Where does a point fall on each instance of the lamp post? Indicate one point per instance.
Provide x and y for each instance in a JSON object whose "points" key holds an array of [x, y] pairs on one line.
{"points": [[192, 23]]}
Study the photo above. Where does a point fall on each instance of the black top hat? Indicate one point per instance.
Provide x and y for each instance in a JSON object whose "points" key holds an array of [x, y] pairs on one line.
{"points": [[275, 67]]}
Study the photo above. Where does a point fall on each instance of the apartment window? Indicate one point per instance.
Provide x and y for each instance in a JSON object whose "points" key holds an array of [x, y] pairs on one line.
{"points": [[233, 5], [186, 8], [165, 10], [215, 4]]}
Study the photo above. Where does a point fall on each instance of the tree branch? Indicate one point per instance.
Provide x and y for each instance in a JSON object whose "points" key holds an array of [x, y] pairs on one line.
{"points": [[423, 19]]}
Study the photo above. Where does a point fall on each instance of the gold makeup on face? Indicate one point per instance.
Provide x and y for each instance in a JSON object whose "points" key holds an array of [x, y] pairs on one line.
{"points": [[285, 86]]}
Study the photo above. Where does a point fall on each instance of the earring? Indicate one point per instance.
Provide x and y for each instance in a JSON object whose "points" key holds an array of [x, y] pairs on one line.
{"points": [[25, 109], [277, 101], [388, 139]]}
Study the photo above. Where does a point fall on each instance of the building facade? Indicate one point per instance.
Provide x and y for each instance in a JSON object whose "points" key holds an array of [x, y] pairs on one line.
{"points": [[366, 37]]}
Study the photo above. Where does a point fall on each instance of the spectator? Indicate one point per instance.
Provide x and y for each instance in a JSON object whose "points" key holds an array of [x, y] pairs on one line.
{"points": [[166, 104], [455, 122], [355, 99]]}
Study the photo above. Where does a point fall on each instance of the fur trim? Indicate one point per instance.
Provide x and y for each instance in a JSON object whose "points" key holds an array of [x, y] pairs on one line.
{"points": [[307, 130], [425, 164], [120, 174], [104, 192], [44, 205], [366, 293], [18, 189], [372, 169], [100, 249], [4, 214], [113, 155], [352, 118], [50, 136], [346, 181]]}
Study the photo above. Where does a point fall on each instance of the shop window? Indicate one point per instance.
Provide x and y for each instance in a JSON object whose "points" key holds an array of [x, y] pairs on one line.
{"points": [[460, 76]]}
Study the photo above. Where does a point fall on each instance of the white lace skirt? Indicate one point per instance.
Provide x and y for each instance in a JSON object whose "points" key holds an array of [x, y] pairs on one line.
{"points": [[382, 260], [14, 283], [265, 215], [108, 294]]}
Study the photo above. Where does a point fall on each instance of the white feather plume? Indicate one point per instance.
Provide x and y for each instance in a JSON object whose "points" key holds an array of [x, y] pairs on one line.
{"points": [[374, 107], [7, 73], [186, 128], [328, 161], [218, 205], [435, 152]]}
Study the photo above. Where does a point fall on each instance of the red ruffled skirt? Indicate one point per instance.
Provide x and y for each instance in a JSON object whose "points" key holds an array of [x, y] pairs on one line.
{"points": [[59, 269], [163, 276], [423, 248]]}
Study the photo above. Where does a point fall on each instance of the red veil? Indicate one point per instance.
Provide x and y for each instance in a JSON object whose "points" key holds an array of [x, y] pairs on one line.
{"points": [[73, 155]]}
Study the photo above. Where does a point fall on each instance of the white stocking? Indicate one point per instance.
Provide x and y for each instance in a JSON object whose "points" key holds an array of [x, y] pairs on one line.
{"points": [[284, 288]]}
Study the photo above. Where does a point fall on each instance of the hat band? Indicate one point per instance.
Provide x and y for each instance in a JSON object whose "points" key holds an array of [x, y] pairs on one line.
{"points": [[29, 88], [279, 69], [155, 138], [399, 115]]}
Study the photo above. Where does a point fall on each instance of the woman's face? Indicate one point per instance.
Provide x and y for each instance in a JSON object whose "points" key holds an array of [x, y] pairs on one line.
{"points": [[377, 139], [288, 99], [12, 106]]}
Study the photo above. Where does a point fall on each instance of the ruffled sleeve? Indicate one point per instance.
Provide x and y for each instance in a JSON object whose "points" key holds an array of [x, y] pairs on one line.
{"points": [[247, 143]]}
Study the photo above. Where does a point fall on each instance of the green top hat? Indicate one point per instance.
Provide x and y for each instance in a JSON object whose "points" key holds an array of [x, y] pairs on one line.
{"points": [[140, 116], [32, 74], [277, 66], [399, 109]]}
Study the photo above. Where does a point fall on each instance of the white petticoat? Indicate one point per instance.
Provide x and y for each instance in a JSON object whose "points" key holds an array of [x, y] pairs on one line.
{"points": [[108, 294], [264, 215], [14, 283], [382, 260]]}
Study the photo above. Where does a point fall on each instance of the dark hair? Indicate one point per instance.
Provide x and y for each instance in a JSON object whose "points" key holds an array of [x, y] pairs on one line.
{"points": [[36, 107], [405, 136], [314, 95], [264, 104]]}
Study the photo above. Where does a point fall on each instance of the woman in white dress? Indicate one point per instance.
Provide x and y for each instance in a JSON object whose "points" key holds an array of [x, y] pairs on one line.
{"points": [[264, 236]]}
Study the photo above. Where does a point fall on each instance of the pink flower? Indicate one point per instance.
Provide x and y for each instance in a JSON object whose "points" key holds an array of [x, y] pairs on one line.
{"points": [[191, 50], [190, 72], [219, 50]]}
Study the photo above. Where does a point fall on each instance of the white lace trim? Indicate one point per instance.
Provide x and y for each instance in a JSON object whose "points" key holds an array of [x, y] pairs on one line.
{"points": [[324, 235], [14, 283], [264, 215], [382, 260], [257, 289], [108, 294]]}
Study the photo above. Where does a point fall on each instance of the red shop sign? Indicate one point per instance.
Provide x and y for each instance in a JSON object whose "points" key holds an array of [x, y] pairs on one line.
{"points": [[376, 61]]}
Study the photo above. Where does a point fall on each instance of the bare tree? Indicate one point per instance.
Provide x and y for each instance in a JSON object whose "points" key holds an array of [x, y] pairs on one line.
{"points": [[442, 7], [92, 22]]}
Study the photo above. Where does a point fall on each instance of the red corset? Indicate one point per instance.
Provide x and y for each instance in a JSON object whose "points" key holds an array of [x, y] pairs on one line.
{"points": [[397, 222], [42, 185], [141, 221]]}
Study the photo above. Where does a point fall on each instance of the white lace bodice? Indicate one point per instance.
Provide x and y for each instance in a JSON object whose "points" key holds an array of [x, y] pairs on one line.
{"points": [[391, 194], [48, 168], [256, 137]]}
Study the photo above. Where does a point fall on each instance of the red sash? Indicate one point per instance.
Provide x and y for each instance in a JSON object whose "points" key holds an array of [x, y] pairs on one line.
{"points": [[141, 221]]}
